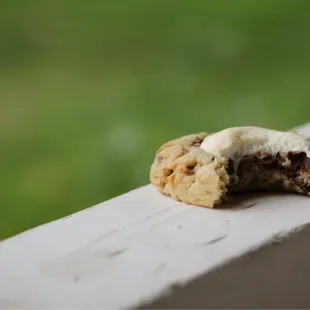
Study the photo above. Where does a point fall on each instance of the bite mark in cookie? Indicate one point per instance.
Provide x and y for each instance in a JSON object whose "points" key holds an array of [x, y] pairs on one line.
{"points": [[205, 169]]}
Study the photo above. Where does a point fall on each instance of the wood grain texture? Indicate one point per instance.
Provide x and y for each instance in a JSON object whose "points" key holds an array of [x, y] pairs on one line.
{"points": [[132, 249]]}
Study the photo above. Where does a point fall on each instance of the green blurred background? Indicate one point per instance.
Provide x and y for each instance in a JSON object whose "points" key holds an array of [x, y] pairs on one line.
{"points": [[90, 89]]}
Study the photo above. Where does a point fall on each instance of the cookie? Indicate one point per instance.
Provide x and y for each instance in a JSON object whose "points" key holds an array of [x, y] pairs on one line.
{"points": [[205, 169]]}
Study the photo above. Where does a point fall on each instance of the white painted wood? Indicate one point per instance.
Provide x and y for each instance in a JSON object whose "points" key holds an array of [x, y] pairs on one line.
{"points": [[131, 249]]}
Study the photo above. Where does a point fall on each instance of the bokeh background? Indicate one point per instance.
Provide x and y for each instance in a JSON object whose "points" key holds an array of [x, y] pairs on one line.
{"points": [[90, 89]]}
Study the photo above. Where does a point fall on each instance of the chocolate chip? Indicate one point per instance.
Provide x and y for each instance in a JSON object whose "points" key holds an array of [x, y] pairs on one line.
{"points": [[296, 155], [292, 174], [230, 168], [307, 164], [268, 160], [297, 159]]}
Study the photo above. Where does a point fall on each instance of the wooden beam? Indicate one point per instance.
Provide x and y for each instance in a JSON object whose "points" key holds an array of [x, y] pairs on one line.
{"points": [[143, 249]]}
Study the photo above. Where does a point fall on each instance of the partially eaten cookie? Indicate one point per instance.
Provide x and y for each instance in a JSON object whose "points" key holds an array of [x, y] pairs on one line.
{"points": [[206, 169]]}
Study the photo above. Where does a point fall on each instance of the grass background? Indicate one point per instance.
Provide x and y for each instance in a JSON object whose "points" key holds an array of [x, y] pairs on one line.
{"points": [[90, 89]]}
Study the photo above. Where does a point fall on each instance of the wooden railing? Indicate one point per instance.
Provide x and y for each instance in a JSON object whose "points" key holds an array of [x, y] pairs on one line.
{"points": [[145, 250]]}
